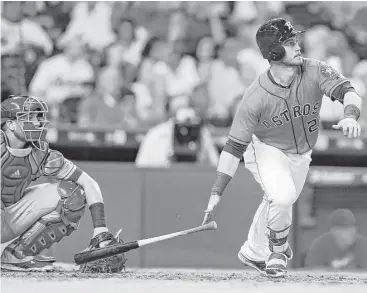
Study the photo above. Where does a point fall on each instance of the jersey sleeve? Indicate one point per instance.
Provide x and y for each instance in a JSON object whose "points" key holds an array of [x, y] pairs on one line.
{"points": [[245, 121], [329, 79], [58, 167]]}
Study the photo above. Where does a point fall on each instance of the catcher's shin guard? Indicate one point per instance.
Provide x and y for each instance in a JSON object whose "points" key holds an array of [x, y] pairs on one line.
{"points": [[52, 227]]}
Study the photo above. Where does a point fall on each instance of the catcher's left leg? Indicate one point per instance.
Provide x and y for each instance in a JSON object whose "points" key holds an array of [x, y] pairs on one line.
{"points": [[56, 221]]}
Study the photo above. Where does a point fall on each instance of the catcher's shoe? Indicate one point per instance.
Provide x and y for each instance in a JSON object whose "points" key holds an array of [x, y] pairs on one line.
{"points": [[276, 265], [28, 266], [45, 258], [10, 262], [257, 265]]}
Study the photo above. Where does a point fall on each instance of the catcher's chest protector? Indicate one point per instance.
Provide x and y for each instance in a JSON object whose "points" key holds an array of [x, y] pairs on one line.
{"points": [[17, 172]]}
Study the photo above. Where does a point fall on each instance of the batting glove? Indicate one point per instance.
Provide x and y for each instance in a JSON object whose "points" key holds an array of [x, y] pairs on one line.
{"points": [[213, 202], [349, 126]]}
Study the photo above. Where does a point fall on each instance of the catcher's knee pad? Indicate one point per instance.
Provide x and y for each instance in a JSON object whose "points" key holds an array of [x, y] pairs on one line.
{"points": [[278, 240], [72, 203], [52, 227]]}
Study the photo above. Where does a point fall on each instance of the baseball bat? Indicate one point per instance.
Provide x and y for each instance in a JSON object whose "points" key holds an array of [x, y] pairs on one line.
{"points": [[99, 253]]}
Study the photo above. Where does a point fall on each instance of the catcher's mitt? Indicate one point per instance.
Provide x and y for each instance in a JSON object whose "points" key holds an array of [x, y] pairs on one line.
{"points": [[112, 264]]}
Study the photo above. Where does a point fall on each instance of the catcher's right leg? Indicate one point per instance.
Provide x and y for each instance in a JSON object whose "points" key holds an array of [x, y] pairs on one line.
{"points": [[49, 229]]}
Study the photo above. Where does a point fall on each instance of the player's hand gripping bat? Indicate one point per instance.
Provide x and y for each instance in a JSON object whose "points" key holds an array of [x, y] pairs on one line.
{"points": [[99, 253]]}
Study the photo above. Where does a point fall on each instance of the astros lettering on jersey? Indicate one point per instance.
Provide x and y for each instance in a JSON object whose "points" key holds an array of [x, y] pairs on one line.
{"points": [[286, 118]]}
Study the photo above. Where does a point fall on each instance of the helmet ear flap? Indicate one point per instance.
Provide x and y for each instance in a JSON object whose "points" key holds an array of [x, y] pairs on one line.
{"points": [[277, 53]]}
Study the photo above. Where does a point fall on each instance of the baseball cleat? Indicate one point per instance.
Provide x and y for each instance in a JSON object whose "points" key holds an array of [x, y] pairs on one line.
{"points": [[45, 258], [28, 266], [276, 265], [10, 262], [257, 265], [289, 252]]}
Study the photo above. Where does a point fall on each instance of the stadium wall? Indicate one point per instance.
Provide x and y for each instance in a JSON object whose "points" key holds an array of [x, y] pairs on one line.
{"points": [[150, 202]]}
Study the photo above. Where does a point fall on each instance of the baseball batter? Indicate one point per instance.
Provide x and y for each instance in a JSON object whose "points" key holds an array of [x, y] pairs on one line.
{"points": [[275, 128], [34, 218]]}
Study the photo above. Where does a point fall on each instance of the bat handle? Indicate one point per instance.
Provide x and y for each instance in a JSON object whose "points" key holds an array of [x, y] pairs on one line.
{"points": [[211, 225]]}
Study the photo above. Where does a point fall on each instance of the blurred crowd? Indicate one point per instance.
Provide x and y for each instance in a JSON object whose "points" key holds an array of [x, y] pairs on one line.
{"points": [[132, 64]]}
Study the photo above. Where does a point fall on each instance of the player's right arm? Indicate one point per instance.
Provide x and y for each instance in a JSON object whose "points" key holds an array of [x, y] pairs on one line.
{"points": [[242, 129], [58, 167]]}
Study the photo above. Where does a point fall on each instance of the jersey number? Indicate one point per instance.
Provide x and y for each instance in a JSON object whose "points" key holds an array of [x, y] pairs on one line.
{"points": [[312, 125]]}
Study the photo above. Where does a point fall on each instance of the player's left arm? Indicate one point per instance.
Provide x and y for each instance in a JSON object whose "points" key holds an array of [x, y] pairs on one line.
{"points": [[58, 167], [337, 87], [352, 110]]}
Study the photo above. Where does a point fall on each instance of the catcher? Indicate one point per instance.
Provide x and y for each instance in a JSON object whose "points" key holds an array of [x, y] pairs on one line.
{"points": [[34, 218]]}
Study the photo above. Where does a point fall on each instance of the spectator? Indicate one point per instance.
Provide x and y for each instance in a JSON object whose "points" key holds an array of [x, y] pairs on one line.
{"points": [[358, 28], [189, 30], [111, 105], [13, 71], [158, 148], [340, 52], [65, 75], [200, 102], [126, 48], [175, 78], [205, 56], [315, 42], [17, 30], [143, 87], [244, 12], [32, 58], [226, 82], [251, 64], [92, 22], [151, 54], [54, 18], [342, 248], [360, 72]]}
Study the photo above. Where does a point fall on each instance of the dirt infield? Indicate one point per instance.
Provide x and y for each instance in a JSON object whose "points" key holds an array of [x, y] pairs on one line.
{"points": [[177, 281]]}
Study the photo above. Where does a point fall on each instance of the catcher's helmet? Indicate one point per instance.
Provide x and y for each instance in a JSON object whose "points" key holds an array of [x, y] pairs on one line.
{"points": [[271, 35], [22, 108]]}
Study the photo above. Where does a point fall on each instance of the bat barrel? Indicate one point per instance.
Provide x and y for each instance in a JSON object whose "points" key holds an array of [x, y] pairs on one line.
{"points": [[99, 253]]}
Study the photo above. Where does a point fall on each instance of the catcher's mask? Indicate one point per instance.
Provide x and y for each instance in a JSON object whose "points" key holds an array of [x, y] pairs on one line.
{"points": [[31, 114]]}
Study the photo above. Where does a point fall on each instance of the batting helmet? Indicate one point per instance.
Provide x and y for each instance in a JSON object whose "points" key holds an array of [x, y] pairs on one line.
{"points": [[271, 35]]}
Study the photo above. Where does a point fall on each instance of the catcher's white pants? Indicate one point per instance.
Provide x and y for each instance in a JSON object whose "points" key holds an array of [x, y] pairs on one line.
{"points": [[38, 201], [282, 177]]}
